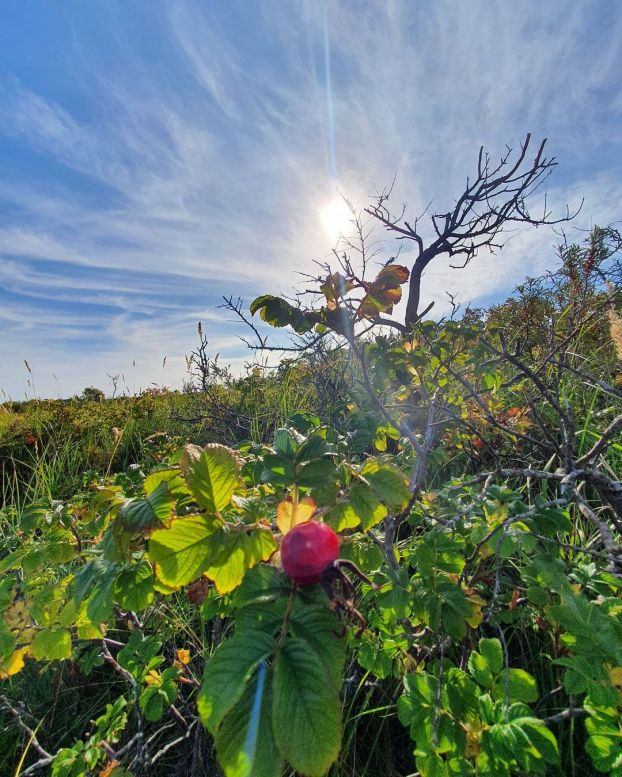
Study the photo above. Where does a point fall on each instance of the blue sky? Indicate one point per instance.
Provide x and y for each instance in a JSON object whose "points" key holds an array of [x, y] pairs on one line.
{"points": [[157, 155]]}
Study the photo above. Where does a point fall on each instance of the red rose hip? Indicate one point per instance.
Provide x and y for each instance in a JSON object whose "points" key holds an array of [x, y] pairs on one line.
{"points": [[307, 550]]}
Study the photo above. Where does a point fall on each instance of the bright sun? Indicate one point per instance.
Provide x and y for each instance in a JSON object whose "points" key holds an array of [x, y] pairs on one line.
{"points": [[336, 219]]}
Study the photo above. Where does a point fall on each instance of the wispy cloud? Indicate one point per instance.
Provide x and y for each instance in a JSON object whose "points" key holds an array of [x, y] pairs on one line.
{"points": [[181, 152]]}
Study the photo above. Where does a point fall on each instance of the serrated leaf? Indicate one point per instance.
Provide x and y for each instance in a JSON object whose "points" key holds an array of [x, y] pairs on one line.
{"points": [[390, 485], [541, 738], [285, 443], [228, 567], [227, 672], [99, 603], [383, 292], [306, 709], [134, 587], [153, 511], [7, 642], [212, 474], [52, 644], [319, 627], [262, 546], [184, 551], [480, 670], [278, 470], [493, 653], [278, 312], [314, 447], [245, 744], [342, 516], [367, 505], [172, 476], [315, 473]]}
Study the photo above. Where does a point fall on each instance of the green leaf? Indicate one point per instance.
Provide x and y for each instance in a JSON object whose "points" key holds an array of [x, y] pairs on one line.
{"points": [[277, 312], [184, 551], [51, 644], [542, 739], [522, 686], [149, 513], [367, 505], [245, 743], [151, 703], [285, 443], [139, 652], [306, 709], [171, 476], [278, 470], [32, 516], [319, 627], [316, 473], [480, 669], [493, 653], [7, 643], [314, 447], [432, 765], [261, 546], [227, 672], [342, 516], [375, 659], [228, 567], [134, 587], [390, 485], [85, 578], [99, 603], [212, 474]]}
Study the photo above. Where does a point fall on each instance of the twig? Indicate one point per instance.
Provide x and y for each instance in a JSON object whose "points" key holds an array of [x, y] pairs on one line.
{"points": [[174, 743], [46, 757]]}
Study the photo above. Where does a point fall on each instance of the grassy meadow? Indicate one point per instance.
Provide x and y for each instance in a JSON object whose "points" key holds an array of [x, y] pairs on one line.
{"points": [[470, 565]]}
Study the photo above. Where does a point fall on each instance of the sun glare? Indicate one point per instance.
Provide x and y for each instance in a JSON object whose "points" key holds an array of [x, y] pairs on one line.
{"points": [[336, 219]]}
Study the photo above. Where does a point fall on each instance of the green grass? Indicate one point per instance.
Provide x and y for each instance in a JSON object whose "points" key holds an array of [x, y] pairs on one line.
{"points": [[52, 451]]}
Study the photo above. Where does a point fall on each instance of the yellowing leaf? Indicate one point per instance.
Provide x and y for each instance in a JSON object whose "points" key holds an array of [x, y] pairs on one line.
{"points": [[289, 514], [615, 675], [153, 678], [17, 616], [498, 513], [476, 605], [15, 663], [110, 769]]}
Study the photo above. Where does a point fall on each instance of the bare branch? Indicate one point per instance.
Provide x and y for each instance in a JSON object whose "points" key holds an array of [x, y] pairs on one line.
{"points": [[496, 198]]}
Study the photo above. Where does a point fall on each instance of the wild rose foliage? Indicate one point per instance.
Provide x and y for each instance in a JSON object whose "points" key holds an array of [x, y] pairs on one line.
{"points": [[481, 506]]}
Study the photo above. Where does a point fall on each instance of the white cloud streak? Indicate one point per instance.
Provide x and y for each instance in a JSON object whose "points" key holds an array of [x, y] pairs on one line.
{"points": [[209, 171]]}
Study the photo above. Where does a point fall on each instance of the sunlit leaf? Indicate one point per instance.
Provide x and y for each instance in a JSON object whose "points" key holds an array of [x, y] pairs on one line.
{"points": [[212, 473], [306, 709], [148, 513], [227, 673], [290, 513], [51, 644], [389, 484], [184, 551]]}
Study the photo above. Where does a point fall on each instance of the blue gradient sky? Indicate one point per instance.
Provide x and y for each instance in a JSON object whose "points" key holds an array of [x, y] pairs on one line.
{"points": [[156, 155]]}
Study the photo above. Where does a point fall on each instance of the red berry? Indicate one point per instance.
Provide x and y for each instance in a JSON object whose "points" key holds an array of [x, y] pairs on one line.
{"points": [[307, 550]]}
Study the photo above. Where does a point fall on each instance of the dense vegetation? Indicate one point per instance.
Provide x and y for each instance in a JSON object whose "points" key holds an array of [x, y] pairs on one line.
{"points": [[473, 622]]}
